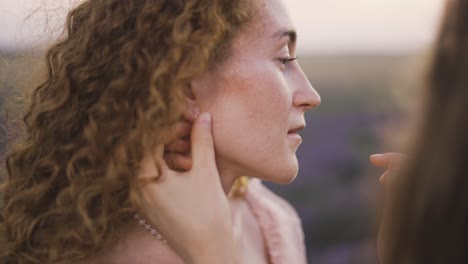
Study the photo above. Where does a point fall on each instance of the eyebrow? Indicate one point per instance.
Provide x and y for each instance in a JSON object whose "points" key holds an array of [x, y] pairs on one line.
{"points": [[292, 34]]}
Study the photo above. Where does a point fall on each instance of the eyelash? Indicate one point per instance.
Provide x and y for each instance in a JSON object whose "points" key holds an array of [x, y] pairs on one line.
{"points": [[286, 60]]}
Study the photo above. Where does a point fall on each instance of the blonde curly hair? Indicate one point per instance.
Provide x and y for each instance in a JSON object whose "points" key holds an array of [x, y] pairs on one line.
{"points": [[114, 85]]}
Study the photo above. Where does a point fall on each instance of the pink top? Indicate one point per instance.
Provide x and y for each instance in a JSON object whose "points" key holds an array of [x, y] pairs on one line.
{"points": [[279, 223], [261, 214]]}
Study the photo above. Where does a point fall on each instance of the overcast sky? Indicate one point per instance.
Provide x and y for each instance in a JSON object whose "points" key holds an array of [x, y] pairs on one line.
{"points": [[325, 26]]}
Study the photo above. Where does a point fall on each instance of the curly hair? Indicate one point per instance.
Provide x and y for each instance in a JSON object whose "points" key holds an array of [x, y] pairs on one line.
{"points": [[115, 84]]}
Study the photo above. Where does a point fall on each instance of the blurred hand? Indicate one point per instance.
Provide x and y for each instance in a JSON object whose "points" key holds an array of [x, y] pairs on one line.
{"points": [[189, 208], [391, 162]]}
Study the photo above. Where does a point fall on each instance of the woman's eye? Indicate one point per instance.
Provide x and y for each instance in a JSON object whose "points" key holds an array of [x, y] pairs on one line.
{"points": [[286, 60]]}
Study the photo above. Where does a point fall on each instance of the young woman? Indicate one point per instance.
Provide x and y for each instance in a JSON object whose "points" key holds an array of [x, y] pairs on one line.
{"points": [[426, 215], [106, 174]]}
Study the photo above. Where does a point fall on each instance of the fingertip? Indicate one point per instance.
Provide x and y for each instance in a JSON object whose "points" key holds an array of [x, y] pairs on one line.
{"points": [[204, 118], [379, 160], [374, 159], [202, 142]]}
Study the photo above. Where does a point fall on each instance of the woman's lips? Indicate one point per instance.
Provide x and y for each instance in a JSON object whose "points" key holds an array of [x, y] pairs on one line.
{"points": [[295, 136], [296, 129]]}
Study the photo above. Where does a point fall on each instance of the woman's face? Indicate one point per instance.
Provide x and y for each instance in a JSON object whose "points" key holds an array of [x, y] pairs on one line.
{"points": [[258, 99]]}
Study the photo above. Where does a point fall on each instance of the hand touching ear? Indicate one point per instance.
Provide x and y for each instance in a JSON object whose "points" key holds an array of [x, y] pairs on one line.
{"points": [[189, 208]]}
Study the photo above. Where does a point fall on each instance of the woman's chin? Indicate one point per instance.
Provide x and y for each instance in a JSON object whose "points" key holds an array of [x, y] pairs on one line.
{"points": [[283, 175], [284, 180]]}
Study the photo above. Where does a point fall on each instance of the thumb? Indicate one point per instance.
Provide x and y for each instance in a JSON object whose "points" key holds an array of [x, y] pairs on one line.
{"points": [[202, 143]]}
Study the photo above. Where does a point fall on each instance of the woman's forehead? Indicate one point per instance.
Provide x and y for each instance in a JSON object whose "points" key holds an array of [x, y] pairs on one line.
{"points": [[271, 21]]}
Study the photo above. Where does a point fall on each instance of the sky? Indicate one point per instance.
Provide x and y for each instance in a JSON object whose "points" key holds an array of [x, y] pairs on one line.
{"points": [[325, 26]]}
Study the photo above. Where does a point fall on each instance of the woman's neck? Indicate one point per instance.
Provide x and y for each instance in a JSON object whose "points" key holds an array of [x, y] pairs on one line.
{"points": [[228, 176]]}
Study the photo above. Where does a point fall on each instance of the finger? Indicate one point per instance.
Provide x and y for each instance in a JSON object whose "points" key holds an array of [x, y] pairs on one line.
{"points": [[384, 160], [181, 146], [153, 166], [202, 143], [181, 130], [178, 162]]}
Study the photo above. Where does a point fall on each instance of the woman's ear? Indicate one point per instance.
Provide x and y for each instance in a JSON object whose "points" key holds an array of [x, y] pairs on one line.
{"points": [[192, 110], [200, 92], [189, 93], [197, 87]]}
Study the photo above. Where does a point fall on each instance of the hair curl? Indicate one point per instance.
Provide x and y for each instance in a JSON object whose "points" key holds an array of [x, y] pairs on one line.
{"points": [[114, 85]]}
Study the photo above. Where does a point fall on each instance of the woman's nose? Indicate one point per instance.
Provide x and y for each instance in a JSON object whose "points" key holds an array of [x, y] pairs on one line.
{"points": [[305, 97], [308, 99]]}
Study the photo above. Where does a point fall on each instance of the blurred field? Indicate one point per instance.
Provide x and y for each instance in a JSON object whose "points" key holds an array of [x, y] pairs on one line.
{"points": [[17, 71], [336, 192]]}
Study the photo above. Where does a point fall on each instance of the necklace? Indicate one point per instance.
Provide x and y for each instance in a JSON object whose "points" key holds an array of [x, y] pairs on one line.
{"points": [[150, 228]]}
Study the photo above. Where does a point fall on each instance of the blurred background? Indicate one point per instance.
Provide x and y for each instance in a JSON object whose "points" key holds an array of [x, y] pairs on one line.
{"points": [[364, 57]]}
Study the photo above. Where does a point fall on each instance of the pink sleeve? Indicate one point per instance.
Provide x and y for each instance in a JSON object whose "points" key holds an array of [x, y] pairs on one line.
{"points": [[280, 225]]}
